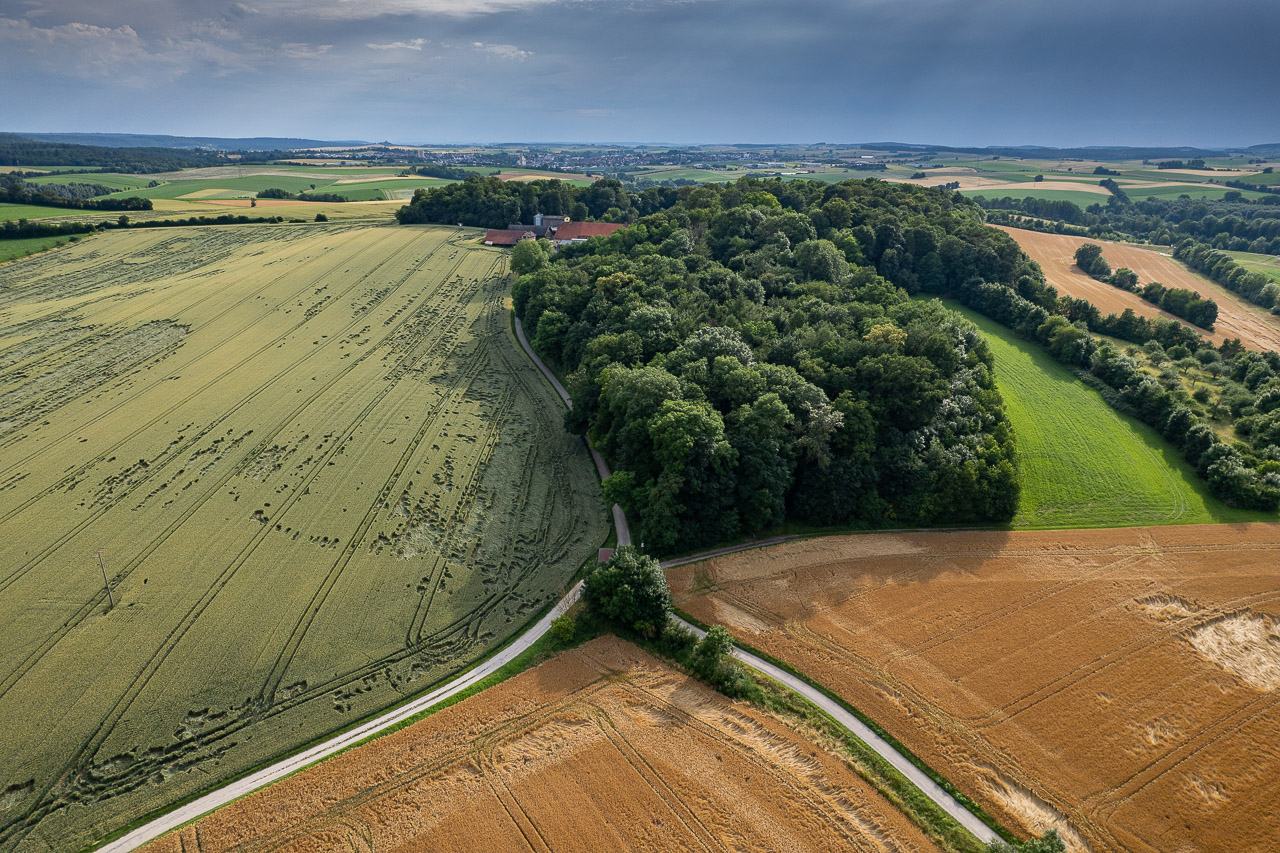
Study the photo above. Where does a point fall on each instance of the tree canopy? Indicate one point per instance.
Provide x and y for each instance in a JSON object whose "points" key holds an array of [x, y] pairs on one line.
{"points": [[749, 355]]}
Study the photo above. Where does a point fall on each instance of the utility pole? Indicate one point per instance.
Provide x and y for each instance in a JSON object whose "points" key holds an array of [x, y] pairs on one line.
{"points": [[105, 583]]}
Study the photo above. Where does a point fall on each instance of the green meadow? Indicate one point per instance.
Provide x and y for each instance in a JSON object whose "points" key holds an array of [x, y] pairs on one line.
{"points": [[11, 249], [12, 212], [1268, 265], [1022, 190], [1084, 464]]}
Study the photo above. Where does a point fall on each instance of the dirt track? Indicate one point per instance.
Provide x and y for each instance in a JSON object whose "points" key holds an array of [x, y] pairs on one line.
{"points": [[602, 748], [1237, 317], [1121, 684]]}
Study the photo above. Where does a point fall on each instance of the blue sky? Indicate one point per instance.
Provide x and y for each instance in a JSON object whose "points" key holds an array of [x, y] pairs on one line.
{"points": [[961, 72]]}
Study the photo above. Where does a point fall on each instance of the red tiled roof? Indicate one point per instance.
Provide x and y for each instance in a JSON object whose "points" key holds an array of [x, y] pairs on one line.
{"points": [[505, 237], [579, 230]]}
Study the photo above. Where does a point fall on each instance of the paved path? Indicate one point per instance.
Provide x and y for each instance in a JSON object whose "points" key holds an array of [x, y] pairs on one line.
{"points": [[239, 788], [931, 789]]}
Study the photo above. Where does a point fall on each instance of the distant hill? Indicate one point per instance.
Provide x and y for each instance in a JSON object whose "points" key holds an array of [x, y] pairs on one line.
{"points": [[21, 151], [210, 143], [1040, 152]]}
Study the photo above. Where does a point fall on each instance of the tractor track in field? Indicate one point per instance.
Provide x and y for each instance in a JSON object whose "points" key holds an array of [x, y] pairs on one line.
{"points": [[71, 476], [175, 636], [266, 696], [220, 796], [188, 444], [91, 333]]}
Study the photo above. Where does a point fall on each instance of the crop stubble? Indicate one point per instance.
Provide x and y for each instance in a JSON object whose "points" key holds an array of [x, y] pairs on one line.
{"points": [[600, 748], [1237, 317], [1120, 684], [322, 475]]}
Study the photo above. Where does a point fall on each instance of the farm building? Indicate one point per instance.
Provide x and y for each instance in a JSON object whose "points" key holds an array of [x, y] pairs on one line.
{"points": [[575, 232], [508, 236]]}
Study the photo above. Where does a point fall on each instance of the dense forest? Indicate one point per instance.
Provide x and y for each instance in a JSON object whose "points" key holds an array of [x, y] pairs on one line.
{"points": [[489, 202], [740, 360]]}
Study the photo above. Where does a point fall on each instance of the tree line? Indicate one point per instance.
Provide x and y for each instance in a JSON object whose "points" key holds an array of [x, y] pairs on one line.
{"points": [[16, 150], [1231, 223], [1222, 268], [1241, 475], [1178, 301], [489, 202], [75, 196], [22, 229]]}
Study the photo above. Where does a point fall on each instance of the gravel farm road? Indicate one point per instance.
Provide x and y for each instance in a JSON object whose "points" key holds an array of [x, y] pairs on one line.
{"points": [[190, 811]]}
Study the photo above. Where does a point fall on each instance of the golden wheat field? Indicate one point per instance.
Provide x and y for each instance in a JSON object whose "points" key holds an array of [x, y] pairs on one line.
{"points": [[1122, 685], [600, 748], [321, 476], [1237, 317]]}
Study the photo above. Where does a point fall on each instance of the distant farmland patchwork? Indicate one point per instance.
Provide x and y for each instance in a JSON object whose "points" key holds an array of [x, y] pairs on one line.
{"points": [[321, 475], [601, 748], [1121, 685]]}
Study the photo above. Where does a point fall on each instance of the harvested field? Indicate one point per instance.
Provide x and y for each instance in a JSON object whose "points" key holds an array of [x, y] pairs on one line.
{"points": [[993, 186], [1123, 684], [600, 748], [1237, 317], [322, 476]]}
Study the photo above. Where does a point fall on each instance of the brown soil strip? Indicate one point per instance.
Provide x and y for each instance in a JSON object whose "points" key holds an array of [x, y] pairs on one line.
{"points": [[1121, 684]]}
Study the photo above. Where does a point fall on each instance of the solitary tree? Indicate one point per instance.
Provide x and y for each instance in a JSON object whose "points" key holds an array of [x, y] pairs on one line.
{"points": [[528, 256], [630, 590]]}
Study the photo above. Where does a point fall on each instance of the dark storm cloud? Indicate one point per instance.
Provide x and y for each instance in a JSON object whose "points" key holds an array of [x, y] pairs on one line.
{"points": [[983, 72]]}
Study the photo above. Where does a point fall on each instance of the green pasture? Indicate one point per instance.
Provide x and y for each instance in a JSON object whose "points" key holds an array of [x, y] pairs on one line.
{"points": [[1268, 265], [702, 176], [13, 212], [1084, 199], [106, 179], [1083, 464], [239, 187], [11, 249], [1171, 191]]}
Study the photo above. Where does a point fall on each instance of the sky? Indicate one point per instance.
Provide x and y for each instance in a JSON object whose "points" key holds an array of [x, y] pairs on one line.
{"points": [[958, 72]]}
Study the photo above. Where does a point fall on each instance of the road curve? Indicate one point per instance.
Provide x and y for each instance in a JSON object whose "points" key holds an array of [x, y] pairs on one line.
{"points": [[931, 789], [215, 799]]}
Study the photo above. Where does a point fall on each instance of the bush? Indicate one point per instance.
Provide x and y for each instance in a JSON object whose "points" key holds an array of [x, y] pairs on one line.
{"points": [[1050, 842], [563, 629]]}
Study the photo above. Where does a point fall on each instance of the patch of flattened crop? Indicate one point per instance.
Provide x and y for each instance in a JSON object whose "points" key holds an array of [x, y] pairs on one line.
{"points": [[1246, 644], [89, 369]]}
